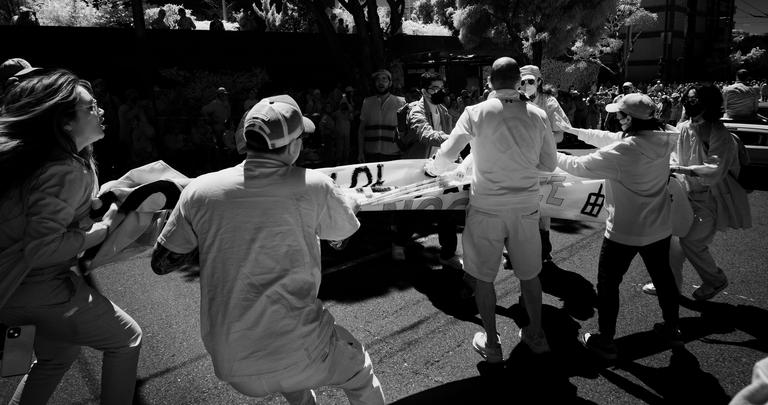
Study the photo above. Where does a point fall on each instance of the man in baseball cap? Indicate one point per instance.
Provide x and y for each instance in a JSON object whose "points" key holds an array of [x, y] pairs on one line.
{"points": [[254, 230]]}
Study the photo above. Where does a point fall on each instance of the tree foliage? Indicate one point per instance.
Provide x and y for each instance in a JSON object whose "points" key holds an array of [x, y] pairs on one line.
{"points": [[536, 28]]}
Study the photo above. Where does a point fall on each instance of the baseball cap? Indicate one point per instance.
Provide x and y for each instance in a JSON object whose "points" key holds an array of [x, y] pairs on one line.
{"points": [[221, 90], [627, 84], [276, 119], [635, 105], [530, 70], [384, 72]]}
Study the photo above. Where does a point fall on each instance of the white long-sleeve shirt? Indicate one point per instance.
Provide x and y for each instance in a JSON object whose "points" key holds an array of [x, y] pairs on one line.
{"points": [[636, 171], [511, 143]]}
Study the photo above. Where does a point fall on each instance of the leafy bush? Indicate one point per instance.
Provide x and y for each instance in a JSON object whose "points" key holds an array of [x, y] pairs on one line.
{"points": [[411, 27], [424, 11], [67, 13]]}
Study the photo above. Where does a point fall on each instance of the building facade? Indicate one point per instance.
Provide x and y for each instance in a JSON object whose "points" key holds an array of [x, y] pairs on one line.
{"points": [[691, 40]]}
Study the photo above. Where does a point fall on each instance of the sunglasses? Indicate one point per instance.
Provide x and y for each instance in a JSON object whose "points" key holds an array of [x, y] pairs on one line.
{"points": [[435, 89], [528, 81], [93, 108]]}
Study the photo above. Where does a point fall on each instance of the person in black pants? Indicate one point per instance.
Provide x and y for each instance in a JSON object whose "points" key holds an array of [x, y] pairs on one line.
{"points": [[635, 166]]}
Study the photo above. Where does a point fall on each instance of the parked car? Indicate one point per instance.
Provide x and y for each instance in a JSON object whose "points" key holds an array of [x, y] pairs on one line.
{"points": [[754, 134]]}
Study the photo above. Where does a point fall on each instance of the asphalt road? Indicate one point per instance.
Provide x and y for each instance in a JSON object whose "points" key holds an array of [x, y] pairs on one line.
{"points": [[417, 326]]}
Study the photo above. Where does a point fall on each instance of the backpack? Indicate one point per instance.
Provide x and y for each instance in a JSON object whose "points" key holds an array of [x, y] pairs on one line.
{"points": [[401, 131], [744, 161]]}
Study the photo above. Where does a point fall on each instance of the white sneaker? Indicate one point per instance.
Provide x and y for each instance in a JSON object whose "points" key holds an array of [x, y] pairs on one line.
{"points": [[398, 253], [491, 354], [649, 289], [455, 262]]}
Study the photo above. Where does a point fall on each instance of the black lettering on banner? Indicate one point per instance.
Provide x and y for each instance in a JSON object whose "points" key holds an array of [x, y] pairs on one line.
{"points": [[333, 176], [435, 202], [379, 175], [594, 203], [356, 172], [451, 190]]}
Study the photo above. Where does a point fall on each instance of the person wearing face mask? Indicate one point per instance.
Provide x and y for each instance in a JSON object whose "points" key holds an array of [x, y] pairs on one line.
{"points": [[531, 85], [635, 166], [254, 230], [378, 121], [429, 124], [706, 156], [48, 124]]}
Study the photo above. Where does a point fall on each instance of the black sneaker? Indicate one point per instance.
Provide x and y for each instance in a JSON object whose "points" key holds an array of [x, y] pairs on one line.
{"points": [[604, 348], [670, 335]]}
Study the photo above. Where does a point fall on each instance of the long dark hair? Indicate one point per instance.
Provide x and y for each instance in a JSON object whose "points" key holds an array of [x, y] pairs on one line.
{"points": [[709, 97], [33, 112]]}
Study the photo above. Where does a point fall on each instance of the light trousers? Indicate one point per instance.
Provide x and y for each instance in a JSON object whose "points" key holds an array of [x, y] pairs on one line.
{"points": [[63, 324], [345, 364]]}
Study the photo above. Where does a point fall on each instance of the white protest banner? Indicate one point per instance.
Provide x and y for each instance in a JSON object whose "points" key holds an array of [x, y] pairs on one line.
{"points": [[561, 195]]}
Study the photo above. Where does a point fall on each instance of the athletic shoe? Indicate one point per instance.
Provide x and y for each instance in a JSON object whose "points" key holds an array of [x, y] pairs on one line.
{"points": [[604, 348], [454, 262], [649, 289], [491, 354], [398, 253], [537, 343], [706, 292], [671, 335]]}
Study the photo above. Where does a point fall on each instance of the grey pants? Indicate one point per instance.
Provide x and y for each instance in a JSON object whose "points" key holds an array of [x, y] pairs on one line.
{"points": [[75, 315]]}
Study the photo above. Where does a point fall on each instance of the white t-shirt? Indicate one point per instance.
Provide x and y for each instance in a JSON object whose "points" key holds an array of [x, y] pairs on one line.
{"points": [[257, 226], [511, 143]]}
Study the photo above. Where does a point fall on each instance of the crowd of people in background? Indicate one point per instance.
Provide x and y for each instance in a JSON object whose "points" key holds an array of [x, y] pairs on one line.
{"points": [[202, 142]]}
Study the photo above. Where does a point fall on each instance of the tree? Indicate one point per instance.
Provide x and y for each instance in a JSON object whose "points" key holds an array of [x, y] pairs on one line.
{"points": [[621, 28], [532, 28]]}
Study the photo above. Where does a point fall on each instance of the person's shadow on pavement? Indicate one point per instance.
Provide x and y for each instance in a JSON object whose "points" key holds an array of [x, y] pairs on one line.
{"points": [[682, 382]]}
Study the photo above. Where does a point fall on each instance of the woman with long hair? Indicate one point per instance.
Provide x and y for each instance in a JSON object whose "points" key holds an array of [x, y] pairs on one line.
{"points": [[48, 123], [706, 156], [635, 166]]}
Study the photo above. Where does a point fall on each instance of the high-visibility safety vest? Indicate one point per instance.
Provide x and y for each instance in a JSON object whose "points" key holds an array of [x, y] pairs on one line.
{"points": [[378, 121]]}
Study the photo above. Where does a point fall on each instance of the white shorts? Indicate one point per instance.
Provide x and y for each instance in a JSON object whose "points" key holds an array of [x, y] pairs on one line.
{"points": [[486, 232]]}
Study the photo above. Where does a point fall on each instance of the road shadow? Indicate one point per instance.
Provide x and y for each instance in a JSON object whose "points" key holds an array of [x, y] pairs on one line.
{"points": [[524, 377], [571, 227], [681, 382], [720, 317]]}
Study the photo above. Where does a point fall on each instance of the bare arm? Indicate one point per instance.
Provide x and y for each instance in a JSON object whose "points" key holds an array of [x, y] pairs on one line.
{"points": [[165, 261]]}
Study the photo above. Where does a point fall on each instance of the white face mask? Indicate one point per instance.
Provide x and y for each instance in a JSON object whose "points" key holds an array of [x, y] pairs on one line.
{"points": [[625, 122], [527, 88]]}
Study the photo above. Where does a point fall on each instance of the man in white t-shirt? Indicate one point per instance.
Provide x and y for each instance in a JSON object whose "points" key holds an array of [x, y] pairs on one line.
{"points": [[255, 231], [511, 143]]}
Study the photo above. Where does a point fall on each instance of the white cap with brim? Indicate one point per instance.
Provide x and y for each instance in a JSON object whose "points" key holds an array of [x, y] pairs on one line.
{"points": [[635, 105], [530, 70], [278, 120]]}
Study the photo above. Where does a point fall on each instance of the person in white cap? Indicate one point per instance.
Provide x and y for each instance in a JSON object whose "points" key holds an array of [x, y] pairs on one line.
{"points": [[511, 142], [635, 166], [531, 84], [254, 230], [376, 140]]}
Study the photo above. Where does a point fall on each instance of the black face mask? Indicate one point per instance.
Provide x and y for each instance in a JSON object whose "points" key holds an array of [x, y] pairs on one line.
{"points": [[693, 110], [438, 97]]}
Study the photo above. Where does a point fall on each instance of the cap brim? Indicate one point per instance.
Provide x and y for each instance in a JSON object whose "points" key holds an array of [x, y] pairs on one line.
{"points": [[309, 126], [613, 107], [528, 76]]}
